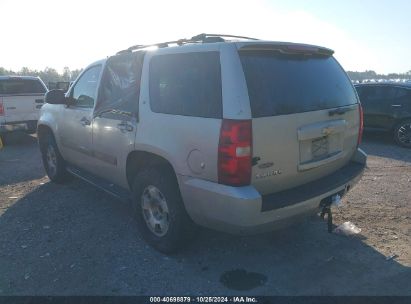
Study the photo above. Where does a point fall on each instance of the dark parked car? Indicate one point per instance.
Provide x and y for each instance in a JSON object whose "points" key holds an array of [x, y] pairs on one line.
{"points": [[387, 107]]}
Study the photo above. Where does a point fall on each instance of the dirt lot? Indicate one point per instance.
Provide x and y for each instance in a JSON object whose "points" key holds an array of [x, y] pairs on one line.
{"points": [[74, 240]]}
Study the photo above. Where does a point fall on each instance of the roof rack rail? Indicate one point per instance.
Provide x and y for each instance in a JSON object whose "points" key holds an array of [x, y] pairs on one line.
{"points": [[201, 38]]}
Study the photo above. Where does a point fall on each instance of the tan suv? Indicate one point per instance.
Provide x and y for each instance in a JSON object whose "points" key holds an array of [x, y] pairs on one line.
{"points": [[238, 136]]}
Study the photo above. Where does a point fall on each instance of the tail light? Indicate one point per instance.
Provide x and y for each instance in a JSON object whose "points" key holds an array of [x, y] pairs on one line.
{"points": [[1, 108], [360, 131], [234, 153]]}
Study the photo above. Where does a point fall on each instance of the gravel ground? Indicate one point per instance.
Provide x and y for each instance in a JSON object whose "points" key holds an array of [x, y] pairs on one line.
{"points": [[74, 239]]}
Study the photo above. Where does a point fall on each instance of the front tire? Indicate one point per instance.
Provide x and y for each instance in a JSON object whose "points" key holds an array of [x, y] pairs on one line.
{"points": [[402, 133], [53, 162], [159, 210]]}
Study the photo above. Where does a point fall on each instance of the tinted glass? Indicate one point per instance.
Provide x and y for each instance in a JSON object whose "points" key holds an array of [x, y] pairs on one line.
{"points": [[286, 84], [85, 90], [372, 93], [377, 93], [359, 91], [401, 93], [186, 84], [389, 92], [21, 86]]}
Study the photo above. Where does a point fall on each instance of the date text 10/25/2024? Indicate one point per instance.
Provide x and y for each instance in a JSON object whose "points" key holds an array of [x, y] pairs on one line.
{"points": [[235, 299]]}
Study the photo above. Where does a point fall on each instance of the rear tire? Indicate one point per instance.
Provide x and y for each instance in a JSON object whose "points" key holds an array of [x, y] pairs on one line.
{"points": [[53, 162], [402, 133], [159, 210]]}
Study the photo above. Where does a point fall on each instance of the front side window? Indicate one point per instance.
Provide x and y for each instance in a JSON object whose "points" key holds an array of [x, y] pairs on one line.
{"points": [[186, 84], [85, 90]]}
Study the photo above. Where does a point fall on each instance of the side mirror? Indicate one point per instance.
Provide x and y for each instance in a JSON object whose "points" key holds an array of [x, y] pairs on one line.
{"points": [[55, 97]]}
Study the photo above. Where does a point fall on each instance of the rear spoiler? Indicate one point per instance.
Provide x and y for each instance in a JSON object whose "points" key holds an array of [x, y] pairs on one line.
{"points": [[287, 48]]}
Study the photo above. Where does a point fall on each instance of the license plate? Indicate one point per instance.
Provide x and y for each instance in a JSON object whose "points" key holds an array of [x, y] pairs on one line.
{"points": [[320, 147], [15, 127]]}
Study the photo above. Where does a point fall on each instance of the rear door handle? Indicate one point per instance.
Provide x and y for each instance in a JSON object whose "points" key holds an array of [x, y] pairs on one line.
{"points": [[124, 126], [396, 105], [85, 121]]}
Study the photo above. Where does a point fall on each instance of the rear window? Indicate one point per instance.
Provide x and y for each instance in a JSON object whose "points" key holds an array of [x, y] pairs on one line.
{"points": [[186, 84], [21, 86], [281, 84]]}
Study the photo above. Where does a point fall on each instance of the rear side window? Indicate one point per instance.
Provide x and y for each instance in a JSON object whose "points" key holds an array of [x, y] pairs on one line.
{"points": [[378, 93], [401, 93], [186, 84], [281, 84], [21, 86]]}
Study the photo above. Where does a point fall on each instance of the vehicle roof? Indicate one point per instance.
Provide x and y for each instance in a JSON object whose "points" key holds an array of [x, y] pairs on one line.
{"points": [[19, 77], [250, 44], [205, 41], [406, 85], [243, 44], [101, 61], [240, 45]]}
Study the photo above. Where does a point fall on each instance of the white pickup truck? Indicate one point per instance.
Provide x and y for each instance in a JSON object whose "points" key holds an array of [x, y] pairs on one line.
{"points": [[21, 98]]}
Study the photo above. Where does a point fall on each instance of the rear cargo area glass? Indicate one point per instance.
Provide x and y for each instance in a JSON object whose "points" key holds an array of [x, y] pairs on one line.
{"points": [[280, 84], [21, 86]]}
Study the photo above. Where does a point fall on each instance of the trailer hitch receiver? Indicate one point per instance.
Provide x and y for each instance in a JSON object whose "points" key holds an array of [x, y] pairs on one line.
{"points": [[325, 206]]}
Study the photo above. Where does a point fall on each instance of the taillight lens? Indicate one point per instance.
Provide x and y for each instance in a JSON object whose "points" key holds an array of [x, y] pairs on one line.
{"points": [[234, 153], [360, 131], [1, 108]]}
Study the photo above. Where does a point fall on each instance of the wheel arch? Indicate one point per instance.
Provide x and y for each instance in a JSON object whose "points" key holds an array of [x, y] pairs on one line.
{"points": [[139, 159], [42, 131]]}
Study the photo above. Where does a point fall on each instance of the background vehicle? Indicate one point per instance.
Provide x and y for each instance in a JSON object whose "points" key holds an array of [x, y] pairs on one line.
{"points": [[59, 85], [21, 98], [235, 136], [387, 107]]}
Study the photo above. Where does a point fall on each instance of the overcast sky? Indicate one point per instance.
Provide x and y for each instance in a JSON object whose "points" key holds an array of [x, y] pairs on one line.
{"points": [[374, 35]]}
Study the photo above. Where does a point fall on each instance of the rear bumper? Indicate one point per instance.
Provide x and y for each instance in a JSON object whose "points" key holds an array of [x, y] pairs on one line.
{"points": [[28, 125], [242, 210]]}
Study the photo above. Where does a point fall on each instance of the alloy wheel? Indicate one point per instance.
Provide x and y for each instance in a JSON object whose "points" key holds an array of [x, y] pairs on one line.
{"points": [[155, 210]]}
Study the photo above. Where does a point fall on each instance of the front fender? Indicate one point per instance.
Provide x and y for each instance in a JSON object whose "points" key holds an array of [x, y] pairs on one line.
{"points": [[49, 118]]}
